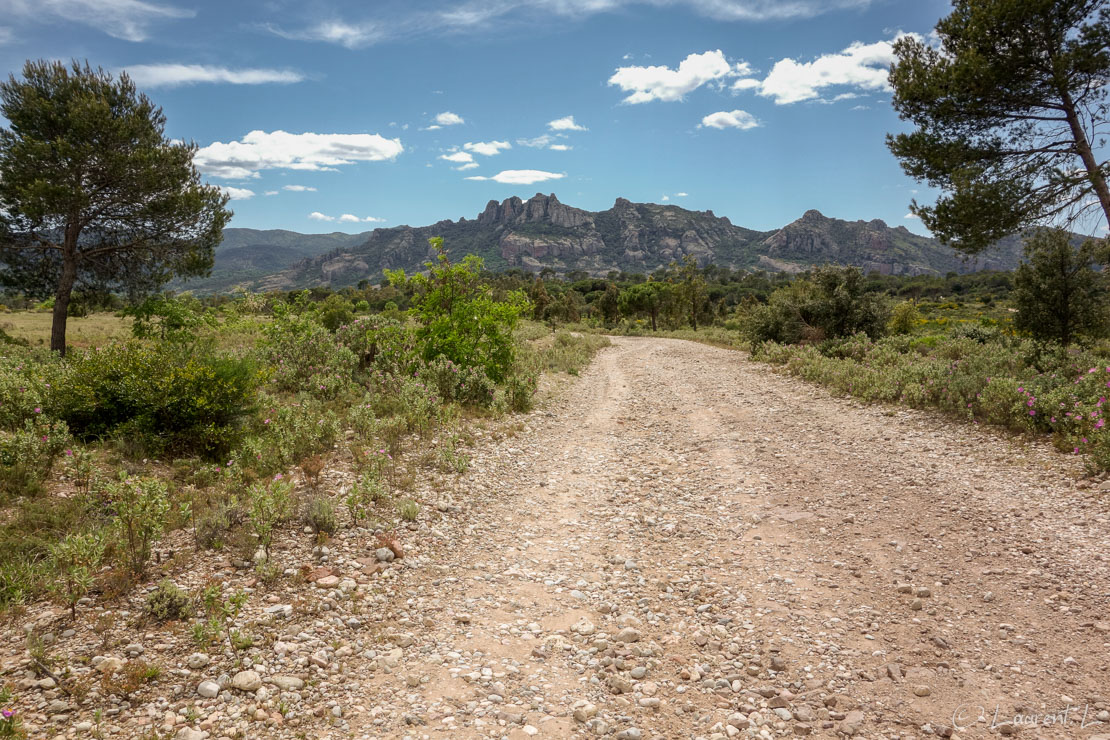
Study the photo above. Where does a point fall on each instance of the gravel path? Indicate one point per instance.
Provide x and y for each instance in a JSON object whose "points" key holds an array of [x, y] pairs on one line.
{"points": [[680, 544], [687, 545]]}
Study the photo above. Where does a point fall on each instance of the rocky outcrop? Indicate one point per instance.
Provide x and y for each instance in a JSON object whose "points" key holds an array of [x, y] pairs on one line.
{"points": [[543, 232]]}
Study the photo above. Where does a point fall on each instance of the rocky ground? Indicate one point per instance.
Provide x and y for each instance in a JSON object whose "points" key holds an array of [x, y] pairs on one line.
{"points": [[681, 544]]}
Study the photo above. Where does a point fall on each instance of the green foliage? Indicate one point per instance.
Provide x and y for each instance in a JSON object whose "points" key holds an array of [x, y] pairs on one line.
{"points": [[220, 615], [141, 507], [271, 503], [319, 513], [830, 303], [168, 601], [93, 195], [290, 433], [520, 391], [73, 564], [408, 509], [28, 454], [25, 379], [460, 319], [1057, 293], [904, 318], [304, 355], [366, 491], [165, 397], [469, 386], [169, 319], [649, 298], [1003, 110]]}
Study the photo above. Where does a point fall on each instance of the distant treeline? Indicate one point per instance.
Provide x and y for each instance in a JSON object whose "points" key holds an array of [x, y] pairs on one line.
{"points": [[672, 293]]}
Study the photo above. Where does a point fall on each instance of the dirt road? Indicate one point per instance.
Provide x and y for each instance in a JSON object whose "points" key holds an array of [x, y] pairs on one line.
{"points": [[686, 545]]}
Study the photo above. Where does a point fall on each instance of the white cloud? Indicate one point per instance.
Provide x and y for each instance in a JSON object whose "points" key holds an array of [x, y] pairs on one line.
{"points": [[911, 214], [6, 35], [665, 198], [566, 123], [458, 157], [863, 66], [668, 85], [487, 148], [680, 195], [746, 83], [238, 193], [317, 216], [173, 75], [448, 118], [271, 192], [467, 166], [560, 148], [129, 20], [350, 218], [730, 119], [520, 177], [299, 188], [349, 35], [261, 150], [537, 143]]}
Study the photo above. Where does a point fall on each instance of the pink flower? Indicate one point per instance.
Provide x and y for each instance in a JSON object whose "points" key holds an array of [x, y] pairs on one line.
{"points": [[38, 409], [1032, 412], [278, 476]]}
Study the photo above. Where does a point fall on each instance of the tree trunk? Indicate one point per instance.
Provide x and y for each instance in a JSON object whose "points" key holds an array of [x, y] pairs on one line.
{"points": [[1088, 157], [653, 312], [61, 301]]}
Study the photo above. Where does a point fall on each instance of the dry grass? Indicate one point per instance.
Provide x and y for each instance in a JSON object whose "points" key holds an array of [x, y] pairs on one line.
{"points": [[93, 330]]}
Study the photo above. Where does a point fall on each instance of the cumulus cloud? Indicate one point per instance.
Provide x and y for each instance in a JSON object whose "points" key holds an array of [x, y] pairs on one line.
{"points": [[680, 195], [173, 75], [520, 177], [262, 150], [487, 148], [238, 193], [317, 216], [350, 218], [447, 118], [646, 84], [129, 20], [349, 35], [467, 166], [862, 66], [730, 119], [566, 123], [560, 148], [299, 188], [458, 157], [911, 214]]}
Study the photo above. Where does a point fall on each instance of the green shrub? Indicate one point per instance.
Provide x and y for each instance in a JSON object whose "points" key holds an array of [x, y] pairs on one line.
{"points": [[408, 509], [271, 503], [167, 601], [469, 386], [28, 454], [904, 318], [164, 397], [460, 319], [73, 563], [830, 303], [141, 507], [319, 514], [366, 491], [24, 384], [290, 433], [520, 391], [305, 356]]}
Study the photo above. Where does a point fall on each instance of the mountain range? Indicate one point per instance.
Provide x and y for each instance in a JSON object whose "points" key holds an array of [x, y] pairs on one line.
{"points": [[542, 232]]}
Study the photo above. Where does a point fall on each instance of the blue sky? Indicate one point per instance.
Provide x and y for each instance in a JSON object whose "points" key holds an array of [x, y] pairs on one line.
{"points": [[320, 115]]}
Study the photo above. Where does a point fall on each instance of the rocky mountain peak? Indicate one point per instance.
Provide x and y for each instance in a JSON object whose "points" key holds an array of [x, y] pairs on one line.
{"points": [[812, 216], [539, 208]]}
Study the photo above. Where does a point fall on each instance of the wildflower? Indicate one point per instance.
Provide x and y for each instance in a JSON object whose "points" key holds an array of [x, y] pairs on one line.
{"points": [[1032, 412], [69, 453], [1100, 423], [8, 713], [38, 409], [279, 476]]}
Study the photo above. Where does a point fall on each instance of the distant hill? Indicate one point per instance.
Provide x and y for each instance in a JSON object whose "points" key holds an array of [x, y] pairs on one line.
{"points": [[248, 255], [542, 232]]}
